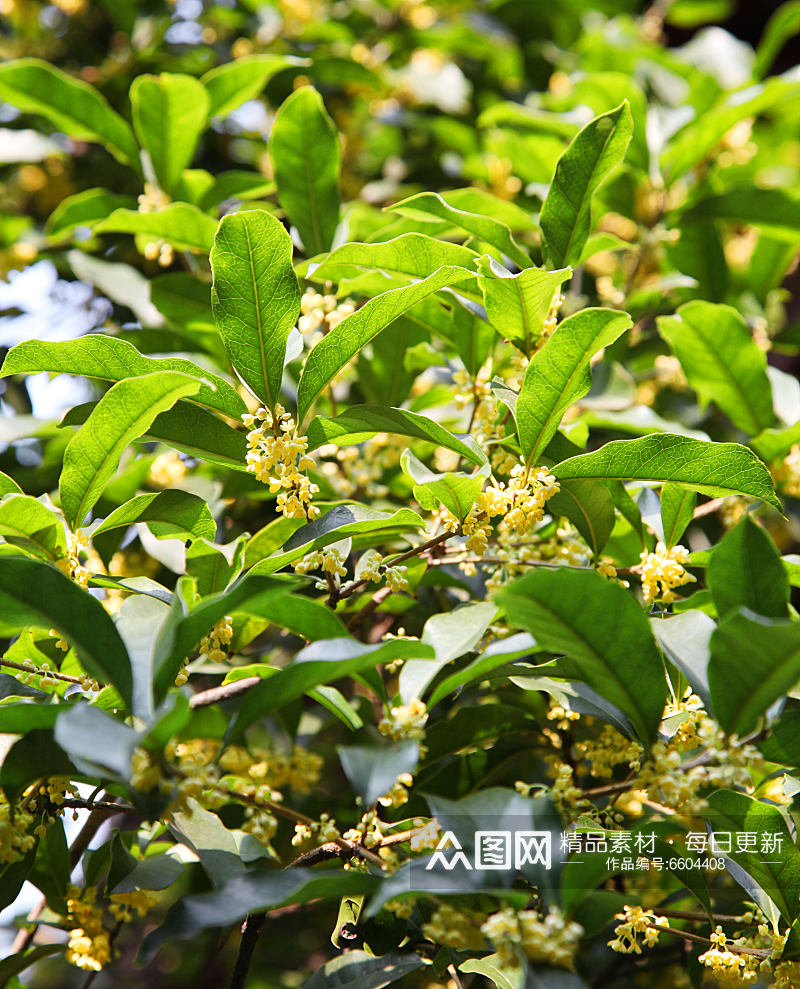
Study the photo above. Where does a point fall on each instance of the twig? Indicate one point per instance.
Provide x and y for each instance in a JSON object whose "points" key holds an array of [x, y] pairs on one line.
{"points": [[224, 691], [349, 589], [35, 671], [251, 928]]}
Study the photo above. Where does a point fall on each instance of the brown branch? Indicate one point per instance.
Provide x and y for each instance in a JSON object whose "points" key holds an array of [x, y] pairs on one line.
{"points": [[251, 928], [35, 671], [349, 589], [223, 692]]}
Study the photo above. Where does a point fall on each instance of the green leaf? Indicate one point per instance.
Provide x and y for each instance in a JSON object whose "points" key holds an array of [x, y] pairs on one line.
{"points": [[213, 565], [72, 106], [93, 739], [776, 872], [115, 359], [362, 422], [189, 429], [169, 114], [84, 209], [685, 641], [255, 297], [323, 662], [677, 509], [339, 523], [504, 973], [746, 570], [234, 83], [560, 373], [124, 413], [603, 633], [517, 305], [595, 152], [8, 485], [168, 514], [590, 507], [782, 745], [14, 964], [305, 155], [722, 362], [184, 226], [236, 184], [456, 491], [715, 469], [360, 970], [754, 662], [782, 25], [412, 255], [373, 769], [343, 342], [427, 206], [773, 210], [30, 525], [185, 627], [33, 593], [499, 653]]}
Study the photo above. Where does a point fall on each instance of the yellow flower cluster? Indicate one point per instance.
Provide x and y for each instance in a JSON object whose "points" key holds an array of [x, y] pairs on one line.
{"points": [[71, 565], [405, 721], [636, 927], [786, 976], [452, 928], [322, 312], [691, 715], [16, 838], [368, 830], [426, 837], [787, 472], [316, 832], [610, 748], [551, 320], [220, 635], [167, 469], [726, 964], [528, 491], [279, 459], [151, 201], [362, 469], [664, 567], [550, 939], [89, 944], [330, 560], [299, 769], [397, 795], [124, 906]]}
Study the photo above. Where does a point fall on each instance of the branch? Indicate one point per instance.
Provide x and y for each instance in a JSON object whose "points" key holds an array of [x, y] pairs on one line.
{"points": [[223, 692]]}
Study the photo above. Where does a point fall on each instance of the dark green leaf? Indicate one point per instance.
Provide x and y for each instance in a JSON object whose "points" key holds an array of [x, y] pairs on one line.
{"points": [[745, 570], [168, 514], [677, 508], [590, 508]]}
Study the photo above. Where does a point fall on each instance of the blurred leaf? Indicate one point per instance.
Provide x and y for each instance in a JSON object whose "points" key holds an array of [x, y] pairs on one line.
{"points": [[373, 769], [95, 739], [234, 83], [71, 105], [677, 509], [591, 157], [771, 209], [84, 209], [782, 25], [255, 297], [305, 156], [180, 224]]}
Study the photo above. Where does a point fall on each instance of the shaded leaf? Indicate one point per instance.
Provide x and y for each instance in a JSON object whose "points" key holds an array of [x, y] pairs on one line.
{"points": [[745, 570]]}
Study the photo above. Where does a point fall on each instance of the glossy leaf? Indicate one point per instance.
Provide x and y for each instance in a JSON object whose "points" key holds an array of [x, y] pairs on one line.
{"points": [[180, 224], [169, 114], [455, 490], [560, 373], [721, 361], [677, 508], [84, 209], [745, 571], [601, 631], [168, 514], [255, 297], [715, 469], [412, 255], [595, 152], [305, 156], [115, 359], [30, 525], [590, 507], [343, 342], [123, 414], [361, 422], [517, 305], [70, 104], [33, 593]]}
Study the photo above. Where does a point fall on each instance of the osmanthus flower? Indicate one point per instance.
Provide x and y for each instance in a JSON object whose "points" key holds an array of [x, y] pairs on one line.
{"points": [[455, 929], [636, 929], [152, 200], [320, 313], [786, 472], [278, 458], [405, 721], [89, 944], [730, 968], [664, 569]]}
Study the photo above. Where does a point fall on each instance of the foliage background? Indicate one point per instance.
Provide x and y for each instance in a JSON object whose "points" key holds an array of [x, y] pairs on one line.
{"points": [[425, 96]]}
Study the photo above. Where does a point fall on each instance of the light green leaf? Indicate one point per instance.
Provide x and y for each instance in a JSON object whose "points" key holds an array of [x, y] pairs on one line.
{"points": [[590, 507], [72, 106], [34, 593], [746, 571], [8, 485], [124, 413], [181, 224], [754, 662], [189, 429], [504, 973], [84, 209], [236, 184], [339, 523], [456, 491], [343, 342], [169, 114], [677, 509], [591, 157], [234, 83], [255, 297], [560, 373], [305, 155], [427, 206], [776, 872], [214, 565], [115, 359], [602, 633], [771, 209], [782, 25], [715, 469], [168, 514], [722, 362], [412, 255], [361, 422], [517, 305], [28, 524]]}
